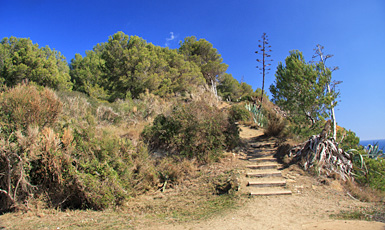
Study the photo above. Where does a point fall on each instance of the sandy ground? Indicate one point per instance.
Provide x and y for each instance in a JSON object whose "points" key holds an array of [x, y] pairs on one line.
{"points": [[309, 207]]}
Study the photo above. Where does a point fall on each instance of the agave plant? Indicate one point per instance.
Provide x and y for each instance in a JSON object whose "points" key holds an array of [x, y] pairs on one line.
{"points": [[256, 114], [358, 162], [374, 151]]}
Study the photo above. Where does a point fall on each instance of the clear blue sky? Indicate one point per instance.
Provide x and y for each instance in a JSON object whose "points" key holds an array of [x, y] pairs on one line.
{"points": [[354, 31]]}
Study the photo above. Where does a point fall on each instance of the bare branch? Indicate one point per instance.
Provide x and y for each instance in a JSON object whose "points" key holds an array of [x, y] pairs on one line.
{"points": [[7, 194]]}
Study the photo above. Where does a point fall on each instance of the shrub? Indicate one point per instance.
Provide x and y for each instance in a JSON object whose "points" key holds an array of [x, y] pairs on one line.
{"points": [[275, 124], [24, 105], [194, 130], [370, 172], [349, 139], [239, 112], [76, 165], [174, 171]]}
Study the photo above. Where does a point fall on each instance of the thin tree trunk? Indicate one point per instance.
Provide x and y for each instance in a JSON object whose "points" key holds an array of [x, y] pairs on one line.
{"points": [[331, 103]]}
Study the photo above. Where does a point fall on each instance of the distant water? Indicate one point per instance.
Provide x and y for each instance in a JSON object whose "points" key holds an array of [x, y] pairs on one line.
{"points": [[381, 143]]}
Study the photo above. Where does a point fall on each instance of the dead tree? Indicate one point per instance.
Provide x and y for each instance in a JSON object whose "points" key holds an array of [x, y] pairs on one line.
{"points": [[318, 53]]}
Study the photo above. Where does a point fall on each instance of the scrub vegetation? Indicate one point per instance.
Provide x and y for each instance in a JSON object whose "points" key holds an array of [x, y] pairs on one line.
{"points": [[130, 119]]}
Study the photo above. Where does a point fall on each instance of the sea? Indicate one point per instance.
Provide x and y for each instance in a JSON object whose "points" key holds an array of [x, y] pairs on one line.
{"points": [[381, 143]]}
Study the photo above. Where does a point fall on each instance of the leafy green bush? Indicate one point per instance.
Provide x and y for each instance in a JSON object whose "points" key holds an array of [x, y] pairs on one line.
{"points": [[305, 131], [349, 139], [238, 112], [370, 172], [195, 130]]}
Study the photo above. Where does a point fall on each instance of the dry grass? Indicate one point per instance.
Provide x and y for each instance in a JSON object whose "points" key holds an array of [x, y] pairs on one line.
{"points": [[364, 193]]}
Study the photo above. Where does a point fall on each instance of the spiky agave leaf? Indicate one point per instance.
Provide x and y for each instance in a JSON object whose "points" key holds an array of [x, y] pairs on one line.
{"points": [[374, 151]]}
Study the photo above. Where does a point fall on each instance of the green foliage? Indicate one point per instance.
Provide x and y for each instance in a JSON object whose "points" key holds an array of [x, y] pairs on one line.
{"points": [[202, 53], [230, 89], [369, 171], [76, 165], [87, 76], [374, 151], [258, 93], [195, 130], [246, 90], [349, 139], [257, 114], [304, 131], [125, 67], [238, 112], [300, 89], [22, 60], [369, 165]]}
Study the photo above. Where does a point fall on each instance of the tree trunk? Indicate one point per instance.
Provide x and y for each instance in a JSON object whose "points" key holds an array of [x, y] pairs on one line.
{"points": [[331, 103]]}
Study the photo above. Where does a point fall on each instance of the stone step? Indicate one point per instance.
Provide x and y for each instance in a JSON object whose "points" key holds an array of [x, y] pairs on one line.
{"points": [[262, 145], [266, 183], [270, 192], [263, 166], [257, 157], [264, 174], [265, 159], [260, 151]]}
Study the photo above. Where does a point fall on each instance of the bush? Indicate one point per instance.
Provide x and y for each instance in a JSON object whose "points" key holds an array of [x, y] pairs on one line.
{"points": [[74, 163], [195, 130], [239, 112], [349, 139], [371, 173], [275, 125], [24, 106]]}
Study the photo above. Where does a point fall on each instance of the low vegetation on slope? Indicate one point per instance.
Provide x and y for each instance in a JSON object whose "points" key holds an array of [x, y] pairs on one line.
{"points": [[85, 148], [74, 152]]}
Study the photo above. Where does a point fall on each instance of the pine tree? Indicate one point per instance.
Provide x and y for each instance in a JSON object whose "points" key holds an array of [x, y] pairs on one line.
{"points": [[299, 89]]}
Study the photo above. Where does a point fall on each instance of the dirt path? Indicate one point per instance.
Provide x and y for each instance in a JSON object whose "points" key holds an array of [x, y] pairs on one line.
{"points": [[309, 207]]}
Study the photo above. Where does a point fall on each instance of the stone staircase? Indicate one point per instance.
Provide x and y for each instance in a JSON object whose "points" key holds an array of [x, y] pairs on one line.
{"points": [[262, 174]]}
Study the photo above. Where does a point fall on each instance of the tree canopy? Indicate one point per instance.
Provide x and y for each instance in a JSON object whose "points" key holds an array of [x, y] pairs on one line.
{"points": [[300, 89], [126, 66], [122, 67], [202, 53], [21, 60], [230, 89]]}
